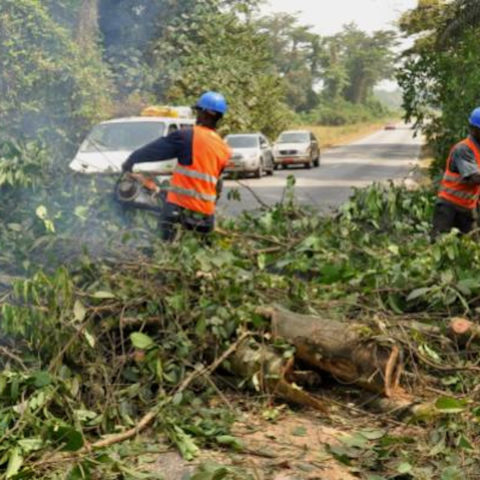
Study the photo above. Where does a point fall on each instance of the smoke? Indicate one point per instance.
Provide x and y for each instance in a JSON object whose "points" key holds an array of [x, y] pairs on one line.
{"points": [[54, 85]]}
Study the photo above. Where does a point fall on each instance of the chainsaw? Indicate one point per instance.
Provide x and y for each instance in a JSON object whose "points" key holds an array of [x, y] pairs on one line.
{"points": [[136, 190]]}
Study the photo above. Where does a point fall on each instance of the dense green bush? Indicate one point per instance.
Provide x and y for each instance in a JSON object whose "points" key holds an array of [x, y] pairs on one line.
{"points": [[439, 74], [50, 88], [342, 112]]}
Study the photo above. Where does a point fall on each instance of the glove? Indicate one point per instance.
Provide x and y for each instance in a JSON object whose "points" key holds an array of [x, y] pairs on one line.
{"points": [[127, 166]]}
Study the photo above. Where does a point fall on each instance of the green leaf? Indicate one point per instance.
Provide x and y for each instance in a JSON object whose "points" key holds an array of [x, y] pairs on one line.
{"points": [[185, 443], [419, 292], [452, 473], [372, 434], [464, 443], [15, 462], [430, 352], [41, 379], [90, 338], [230, 441], [404, 467], [211, 472], [103, 294], [67, 437], [79, 311], [79, 472], [141, 341], [356, 440], [30, 444], [449, 405]]}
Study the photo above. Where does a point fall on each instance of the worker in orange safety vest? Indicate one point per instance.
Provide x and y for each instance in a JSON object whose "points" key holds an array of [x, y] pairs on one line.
{"points": [[201, 157], [459, 190]]}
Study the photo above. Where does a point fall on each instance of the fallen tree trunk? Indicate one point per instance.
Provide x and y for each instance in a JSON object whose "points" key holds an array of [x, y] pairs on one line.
{"points": [[350, 352], [271, 373]]}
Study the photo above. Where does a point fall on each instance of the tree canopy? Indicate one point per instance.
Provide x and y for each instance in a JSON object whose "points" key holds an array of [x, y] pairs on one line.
{"points": [[439, 74]]}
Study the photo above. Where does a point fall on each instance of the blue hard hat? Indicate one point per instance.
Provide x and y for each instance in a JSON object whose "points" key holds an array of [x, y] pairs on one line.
{"points": [[213, 102], [475, 118]]}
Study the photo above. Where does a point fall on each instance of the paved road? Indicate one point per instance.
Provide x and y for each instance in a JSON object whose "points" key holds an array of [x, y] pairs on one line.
{"points": [[385, 155]]}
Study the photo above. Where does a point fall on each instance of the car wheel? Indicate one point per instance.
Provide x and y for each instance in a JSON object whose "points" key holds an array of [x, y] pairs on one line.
{"points": [[309, 164], [316, 162], [272, 167], [275, 166], [259, 171], [284, 166]]}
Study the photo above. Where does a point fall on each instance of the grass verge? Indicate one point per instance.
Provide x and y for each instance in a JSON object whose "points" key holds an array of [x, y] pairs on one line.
{"points": [[330, 136]]}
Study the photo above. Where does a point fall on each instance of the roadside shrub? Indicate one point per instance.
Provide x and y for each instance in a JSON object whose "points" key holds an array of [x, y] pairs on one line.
{"points": [[341, 112]]}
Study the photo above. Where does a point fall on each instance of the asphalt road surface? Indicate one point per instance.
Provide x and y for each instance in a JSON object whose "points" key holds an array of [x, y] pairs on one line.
{"points": [[385, 155]]}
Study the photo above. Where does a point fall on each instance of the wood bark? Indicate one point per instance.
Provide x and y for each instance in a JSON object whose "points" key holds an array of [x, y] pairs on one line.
{"points": [[87, 28], [271, 373], [348, 351]]}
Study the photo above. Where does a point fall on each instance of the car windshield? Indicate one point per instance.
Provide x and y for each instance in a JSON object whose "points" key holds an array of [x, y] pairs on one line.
{"points": [[294, 137], [124, 136], [243, 141]]}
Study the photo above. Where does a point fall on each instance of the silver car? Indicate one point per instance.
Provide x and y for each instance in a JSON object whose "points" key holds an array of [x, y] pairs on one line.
{"points": [[297, 147], [252, 153]]}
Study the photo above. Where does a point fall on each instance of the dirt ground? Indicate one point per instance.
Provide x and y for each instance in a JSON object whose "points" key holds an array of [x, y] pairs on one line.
{"points": [[291, 446]]}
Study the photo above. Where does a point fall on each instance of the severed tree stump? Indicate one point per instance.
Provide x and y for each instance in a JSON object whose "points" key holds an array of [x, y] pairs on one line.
{"points": [[350, 352], [270, 373], [464, 331]]}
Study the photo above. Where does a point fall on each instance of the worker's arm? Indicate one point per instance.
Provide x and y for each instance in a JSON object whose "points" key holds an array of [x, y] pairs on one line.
{"points": [[464, 163], [220, 176], [176, 145]]}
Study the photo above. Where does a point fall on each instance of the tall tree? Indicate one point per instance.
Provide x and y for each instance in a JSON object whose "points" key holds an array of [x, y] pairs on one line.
{"points": [[295, 52], [439, 74], [87, 25], [368, 59], [214, 48], [49, 86]]}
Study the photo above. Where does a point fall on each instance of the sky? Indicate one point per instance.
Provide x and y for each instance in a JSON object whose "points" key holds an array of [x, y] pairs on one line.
{"points": [[328, 16]]}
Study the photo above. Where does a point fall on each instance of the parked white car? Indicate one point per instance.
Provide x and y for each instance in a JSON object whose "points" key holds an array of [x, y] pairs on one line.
{"points": [[252, 153], [110, 143], [296, 147]]}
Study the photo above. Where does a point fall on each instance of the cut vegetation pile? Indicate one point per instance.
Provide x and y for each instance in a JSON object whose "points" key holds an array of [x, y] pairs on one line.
{"points": [[99, 350]]}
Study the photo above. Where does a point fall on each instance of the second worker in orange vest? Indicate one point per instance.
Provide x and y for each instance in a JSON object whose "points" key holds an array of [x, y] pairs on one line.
{"points": [[459, 190], [201, 157]]}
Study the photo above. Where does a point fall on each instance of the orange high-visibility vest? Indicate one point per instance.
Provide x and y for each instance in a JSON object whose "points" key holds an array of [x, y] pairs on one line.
{"points": [[194, 187], [453, 188]]}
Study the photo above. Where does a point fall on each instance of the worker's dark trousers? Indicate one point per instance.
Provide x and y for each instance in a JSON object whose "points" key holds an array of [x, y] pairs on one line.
{"points": [[174, 216], [446, 217]]}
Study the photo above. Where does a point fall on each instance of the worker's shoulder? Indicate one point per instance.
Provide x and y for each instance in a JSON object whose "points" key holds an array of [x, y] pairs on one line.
{"points": [[463, 150]]}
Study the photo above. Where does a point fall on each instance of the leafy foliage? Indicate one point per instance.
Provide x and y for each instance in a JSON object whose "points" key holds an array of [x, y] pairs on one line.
{"points": [[49, 88], [209, 58], [439, 77], [90, 347]]}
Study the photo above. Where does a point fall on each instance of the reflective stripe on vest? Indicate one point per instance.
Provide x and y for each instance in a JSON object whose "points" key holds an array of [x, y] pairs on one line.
{"points": [[453, 188], [459, 194], [197, 175], [452, 178], [192, 193]]}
